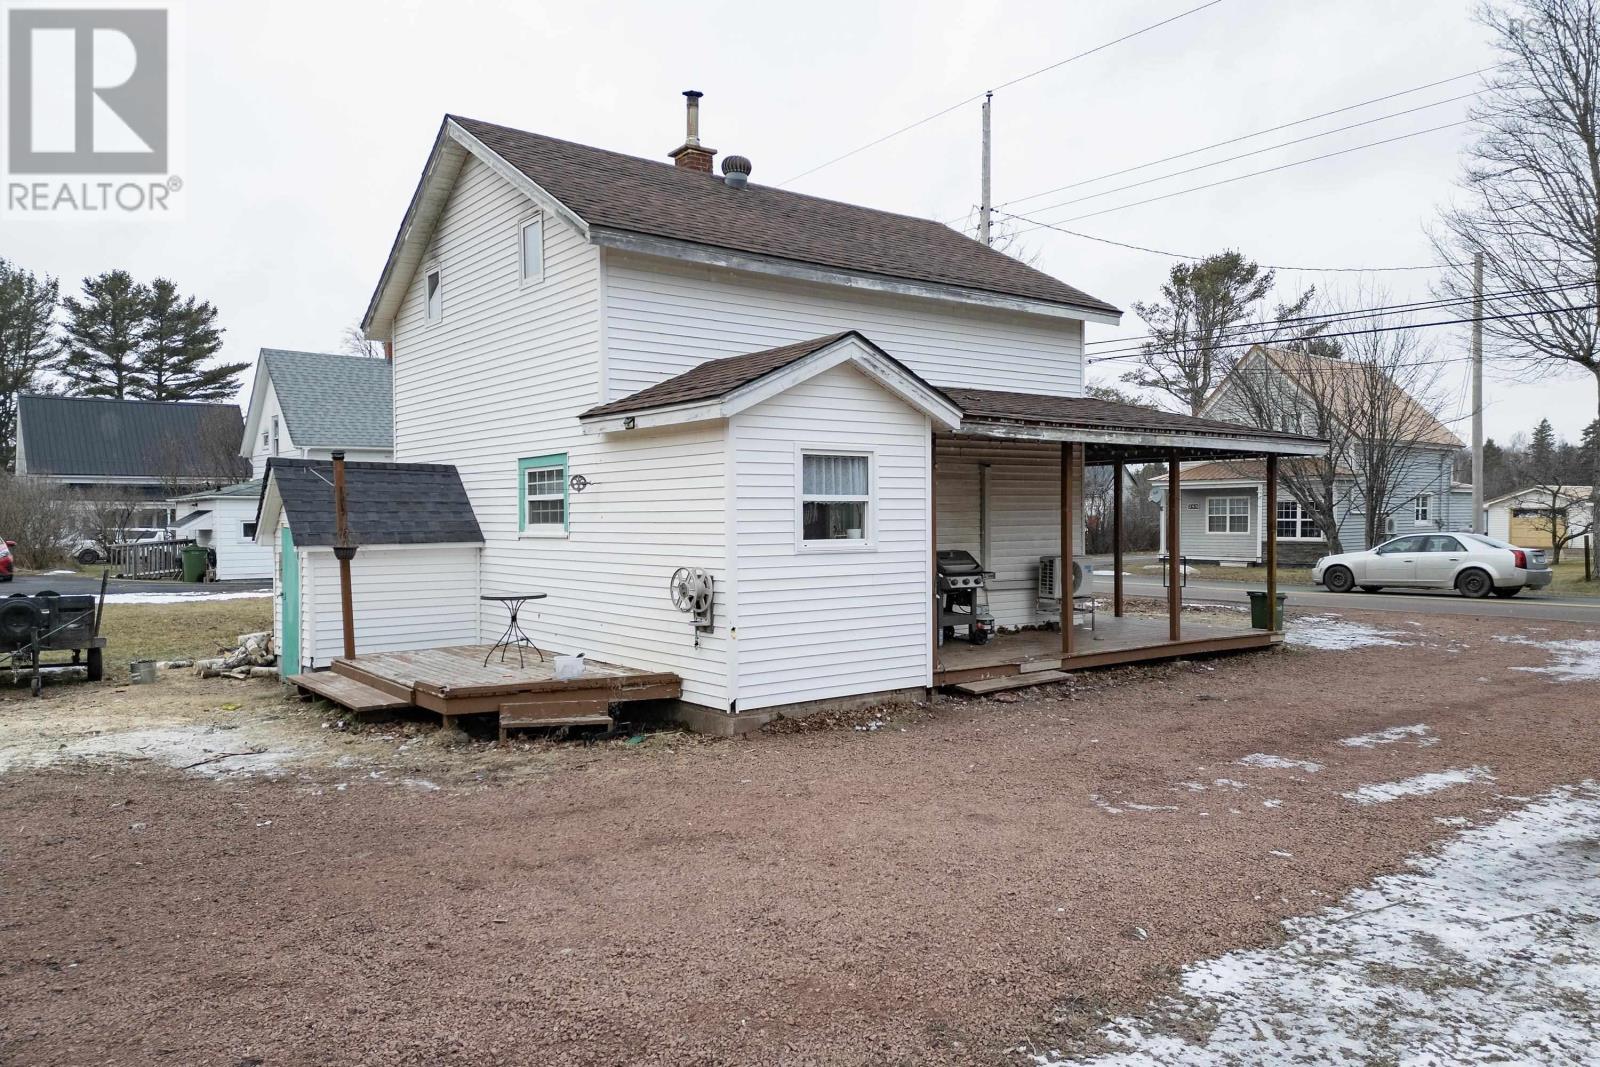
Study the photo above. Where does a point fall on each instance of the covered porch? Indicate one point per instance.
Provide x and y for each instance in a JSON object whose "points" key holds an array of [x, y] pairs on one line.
{"points": [[1009, 489]]}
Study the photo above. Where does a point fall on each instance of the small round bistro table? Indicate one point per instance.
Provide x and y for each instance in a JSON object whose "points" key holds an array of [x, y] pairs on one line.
{"points": [[514, 635]]}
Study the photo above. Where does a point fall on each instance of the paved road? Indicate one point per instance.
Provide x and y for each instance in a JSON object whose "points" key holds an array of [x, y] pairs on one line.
{"points": [[84, 583], [1419, 602]]}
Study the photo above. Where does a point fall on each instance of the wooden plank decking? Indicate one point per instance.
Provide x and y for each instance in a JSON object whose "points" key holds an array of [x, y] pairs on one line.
{"points": [[457, 681]]}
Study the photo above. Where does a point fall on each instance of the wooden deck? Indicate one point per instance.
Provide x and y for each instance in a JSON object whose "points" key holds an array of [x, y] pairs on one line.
{"points": [[456, 681], [1131, 639]]}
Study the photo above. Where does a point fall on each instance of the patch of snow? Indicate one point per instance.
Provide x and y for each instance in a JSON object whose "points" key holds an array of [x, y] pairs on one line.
{"points": [[1104, 805], [1392, 736], [49, 574], [1330, 634], [184, 598], [185, 748], [1483, 953], [1272, 803], [1229, 783], [1573, 661], [1262, 759], [1419, 786], [1151, 807], [1281, 854]]}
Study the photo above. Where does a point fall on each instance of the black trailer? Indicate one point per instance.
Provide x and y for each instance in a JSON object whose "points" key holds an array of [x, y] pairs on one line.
{"points": [[51, 622]]}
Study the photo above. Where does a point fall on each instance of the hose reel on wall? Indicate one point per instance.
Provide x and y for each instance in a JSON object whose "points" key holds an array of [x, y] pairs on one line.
{"points": [[692, 592]]}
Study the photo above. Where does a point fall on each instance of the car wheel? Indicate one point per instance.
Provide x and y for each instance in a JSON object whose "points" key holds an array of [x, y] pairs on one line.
{"points": [[88, 557], [1508, 591], [1339, 580], [1372, 589], [1474, 584]]}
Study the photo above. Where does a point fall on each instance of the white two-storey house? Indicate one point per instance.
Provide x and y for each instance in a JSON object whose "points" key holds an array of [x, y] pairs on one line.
{"points": [[639, 369]]}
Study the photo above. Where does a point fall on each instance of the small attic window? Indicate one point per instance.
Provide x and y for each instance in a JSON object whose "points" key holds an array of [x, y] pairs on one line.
{"points": [[433, 290], [530, 248]]}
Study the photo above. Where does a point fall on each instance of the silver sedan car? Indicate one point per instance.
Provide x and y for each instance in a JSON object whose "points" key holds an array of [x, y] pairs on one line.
{"points": [[1471, 564]]}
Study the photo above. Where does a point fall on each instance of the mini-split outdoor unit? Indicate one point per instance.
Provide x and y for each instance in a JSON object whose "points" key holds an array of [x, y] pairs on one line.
{"points": [[1050, 578]]}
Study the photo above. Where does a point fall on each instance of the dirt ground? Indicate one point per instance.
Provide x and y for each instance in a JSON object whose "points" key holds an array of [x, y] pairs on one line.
{"points": [[945, 886]]}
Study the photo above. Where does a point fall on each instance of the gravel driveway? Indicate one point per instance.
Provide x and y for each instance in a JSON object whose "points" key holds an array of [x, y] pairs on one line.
{"points": [[979, 884]]}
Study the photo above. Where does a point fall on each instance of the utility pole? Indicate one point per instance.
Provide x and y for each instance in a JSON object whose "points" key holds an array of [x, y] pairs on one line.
{"points": [[987, 207], [1479, 521]]}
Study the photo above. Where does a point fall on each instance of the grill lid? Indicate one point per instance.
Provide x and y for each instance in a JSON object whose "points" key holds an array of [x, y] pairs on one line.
{"points": [[958, 561]]}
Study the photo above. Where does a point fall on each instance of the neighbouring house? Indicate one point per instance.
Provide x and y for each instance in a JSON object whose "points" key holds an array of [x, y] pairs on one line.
{"points": [[129, 455], [309, 404], [1223, 514], [224, 521], [302, 404], [653, 383], [1535, 516]]}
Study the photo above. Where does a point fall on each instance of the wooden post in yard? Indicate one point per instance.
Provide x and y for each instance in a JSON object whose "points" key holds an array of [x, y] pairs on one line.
{"points": [[1174, 548], [344, 552], [1272, 542], [1068, 454], [933, 558], [1119, 471]]}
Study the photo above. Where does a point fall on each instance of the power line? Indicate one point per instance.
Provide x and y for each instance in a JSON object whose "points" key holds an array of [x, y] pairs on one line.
{"points": [[1251, 174], [1375, 330], [1257, 133], [1197, 259], [1003, 85], [1430, 304], [1242, 155]]}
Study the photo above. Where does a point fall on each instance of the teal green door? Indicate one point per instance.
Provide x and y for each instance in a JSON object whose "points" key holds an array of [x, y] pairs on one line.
{"points": [[289, 589]]}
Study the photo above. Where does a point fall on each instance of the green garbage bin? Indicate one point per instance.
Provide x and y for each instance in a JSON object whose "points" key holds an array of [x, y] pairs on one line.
{"points": [[194, 563], [1258, 610]]}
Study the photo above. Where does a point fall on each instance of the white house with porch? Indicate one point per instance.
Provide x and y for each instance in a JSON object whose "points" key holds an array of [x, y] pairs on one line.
{"points": [[726, 428]]}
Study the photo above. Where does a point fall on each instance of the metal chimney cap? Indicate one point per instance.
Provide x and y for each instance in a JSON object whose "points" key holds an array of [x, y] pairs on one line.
{"points": [[693, 94]]}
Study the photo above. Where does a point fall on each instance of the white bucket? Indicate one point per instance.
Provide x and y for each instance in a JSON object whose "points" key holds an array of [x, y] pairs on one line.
{"points": [[569, 668]]}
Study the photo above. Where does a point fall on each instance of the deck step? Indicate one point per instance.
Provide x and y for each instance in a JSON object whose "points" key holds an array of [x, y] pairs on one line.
{"points": [[985, 686], [347, 692], [571, 708]]}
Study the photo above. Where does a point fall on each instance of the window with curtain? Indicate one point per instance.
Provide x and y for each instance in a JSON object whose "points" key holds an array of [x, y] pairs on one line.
{"points": [[835, 497]]}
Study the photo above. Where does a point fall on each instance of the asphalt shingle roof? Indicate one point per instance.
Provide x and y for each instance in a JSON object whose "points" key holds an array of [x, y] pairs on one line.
{"points": [[387, 503], [642, 196], [89, 437], [1092, 414], [717, 377], [333, 401]]}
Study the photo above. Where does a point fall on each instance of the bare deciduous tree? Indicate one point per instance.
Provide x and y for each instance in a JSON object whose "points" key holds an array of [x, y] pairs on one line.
{"points": [[353, 342], [1532, 181], [39, 517]]}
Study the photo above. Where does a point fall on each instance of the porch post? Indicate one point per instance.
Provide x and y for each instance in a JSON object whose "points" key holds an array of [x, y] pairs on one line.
{"points": [[1174, 549], [1272, 542], [1118, 470], [933, 558], [1068, 453]]}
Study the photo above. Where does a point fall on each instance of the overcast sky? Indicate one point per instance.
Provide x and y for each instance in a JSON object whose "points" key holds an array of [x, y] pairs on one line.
{"points": [[309, 123]]}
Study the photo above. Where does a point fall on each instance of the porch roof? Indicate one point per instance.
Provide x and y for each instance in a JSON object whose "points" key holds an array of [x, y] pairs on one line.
{"points": [[1114, 431]]}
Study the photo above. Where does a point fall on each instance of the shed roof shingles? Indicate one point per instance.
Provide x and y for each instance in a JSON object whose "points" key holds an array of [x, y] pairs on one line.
{"points": [[386, 503], [641, 196]]}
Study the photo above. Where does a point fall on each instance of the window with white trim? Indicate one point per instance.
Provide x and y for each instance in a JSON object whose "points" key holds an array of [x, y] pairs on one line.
{"points": [[1295, 522], [275, 450], [530, 249], [247, 531], [543, 508], [1227, 514], [1422, 508], [433, 295], [835, 497]]}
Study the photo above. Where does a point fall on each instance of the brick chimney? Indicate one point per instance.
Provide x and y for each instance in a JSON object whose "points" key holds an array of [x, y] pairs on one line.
{"points": [[692, 155]]}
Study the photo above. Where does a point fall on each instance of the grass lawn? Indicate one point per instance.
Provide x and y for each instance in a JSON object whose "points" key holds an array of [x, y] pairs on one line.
{"points": [[1254, 576], [1569, 579], [178, 631]]}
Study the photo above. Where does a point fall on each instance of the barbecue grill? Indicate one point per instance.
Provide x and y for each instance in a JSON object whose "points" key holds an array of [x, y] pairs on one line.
{"points": [[963, 596]]}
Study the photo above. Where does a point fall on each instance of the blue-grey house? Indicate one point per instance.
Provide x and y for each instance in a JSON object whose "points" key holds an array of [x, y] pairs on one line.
{"points": [[1223, 502]]}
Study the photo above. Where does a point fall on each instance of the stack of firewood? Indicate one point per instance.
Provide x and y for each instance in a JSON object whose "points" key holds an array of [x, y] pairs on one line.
{"points": [[252, 658]]}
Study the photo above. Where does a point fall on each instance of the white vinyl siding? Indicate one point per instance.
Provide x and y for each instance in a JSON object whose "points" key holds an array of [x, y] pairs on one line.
{"points": [[1024, 515], [815, 625], [504, 378], [662, 318], [406, 596]]}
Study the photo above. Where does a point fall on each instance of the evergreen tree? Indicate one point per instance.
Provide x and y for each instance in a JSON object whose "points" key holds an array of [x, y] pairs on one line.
{"points": [[178, 337], [1542, 449], [103, 335], [27, 344]]}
